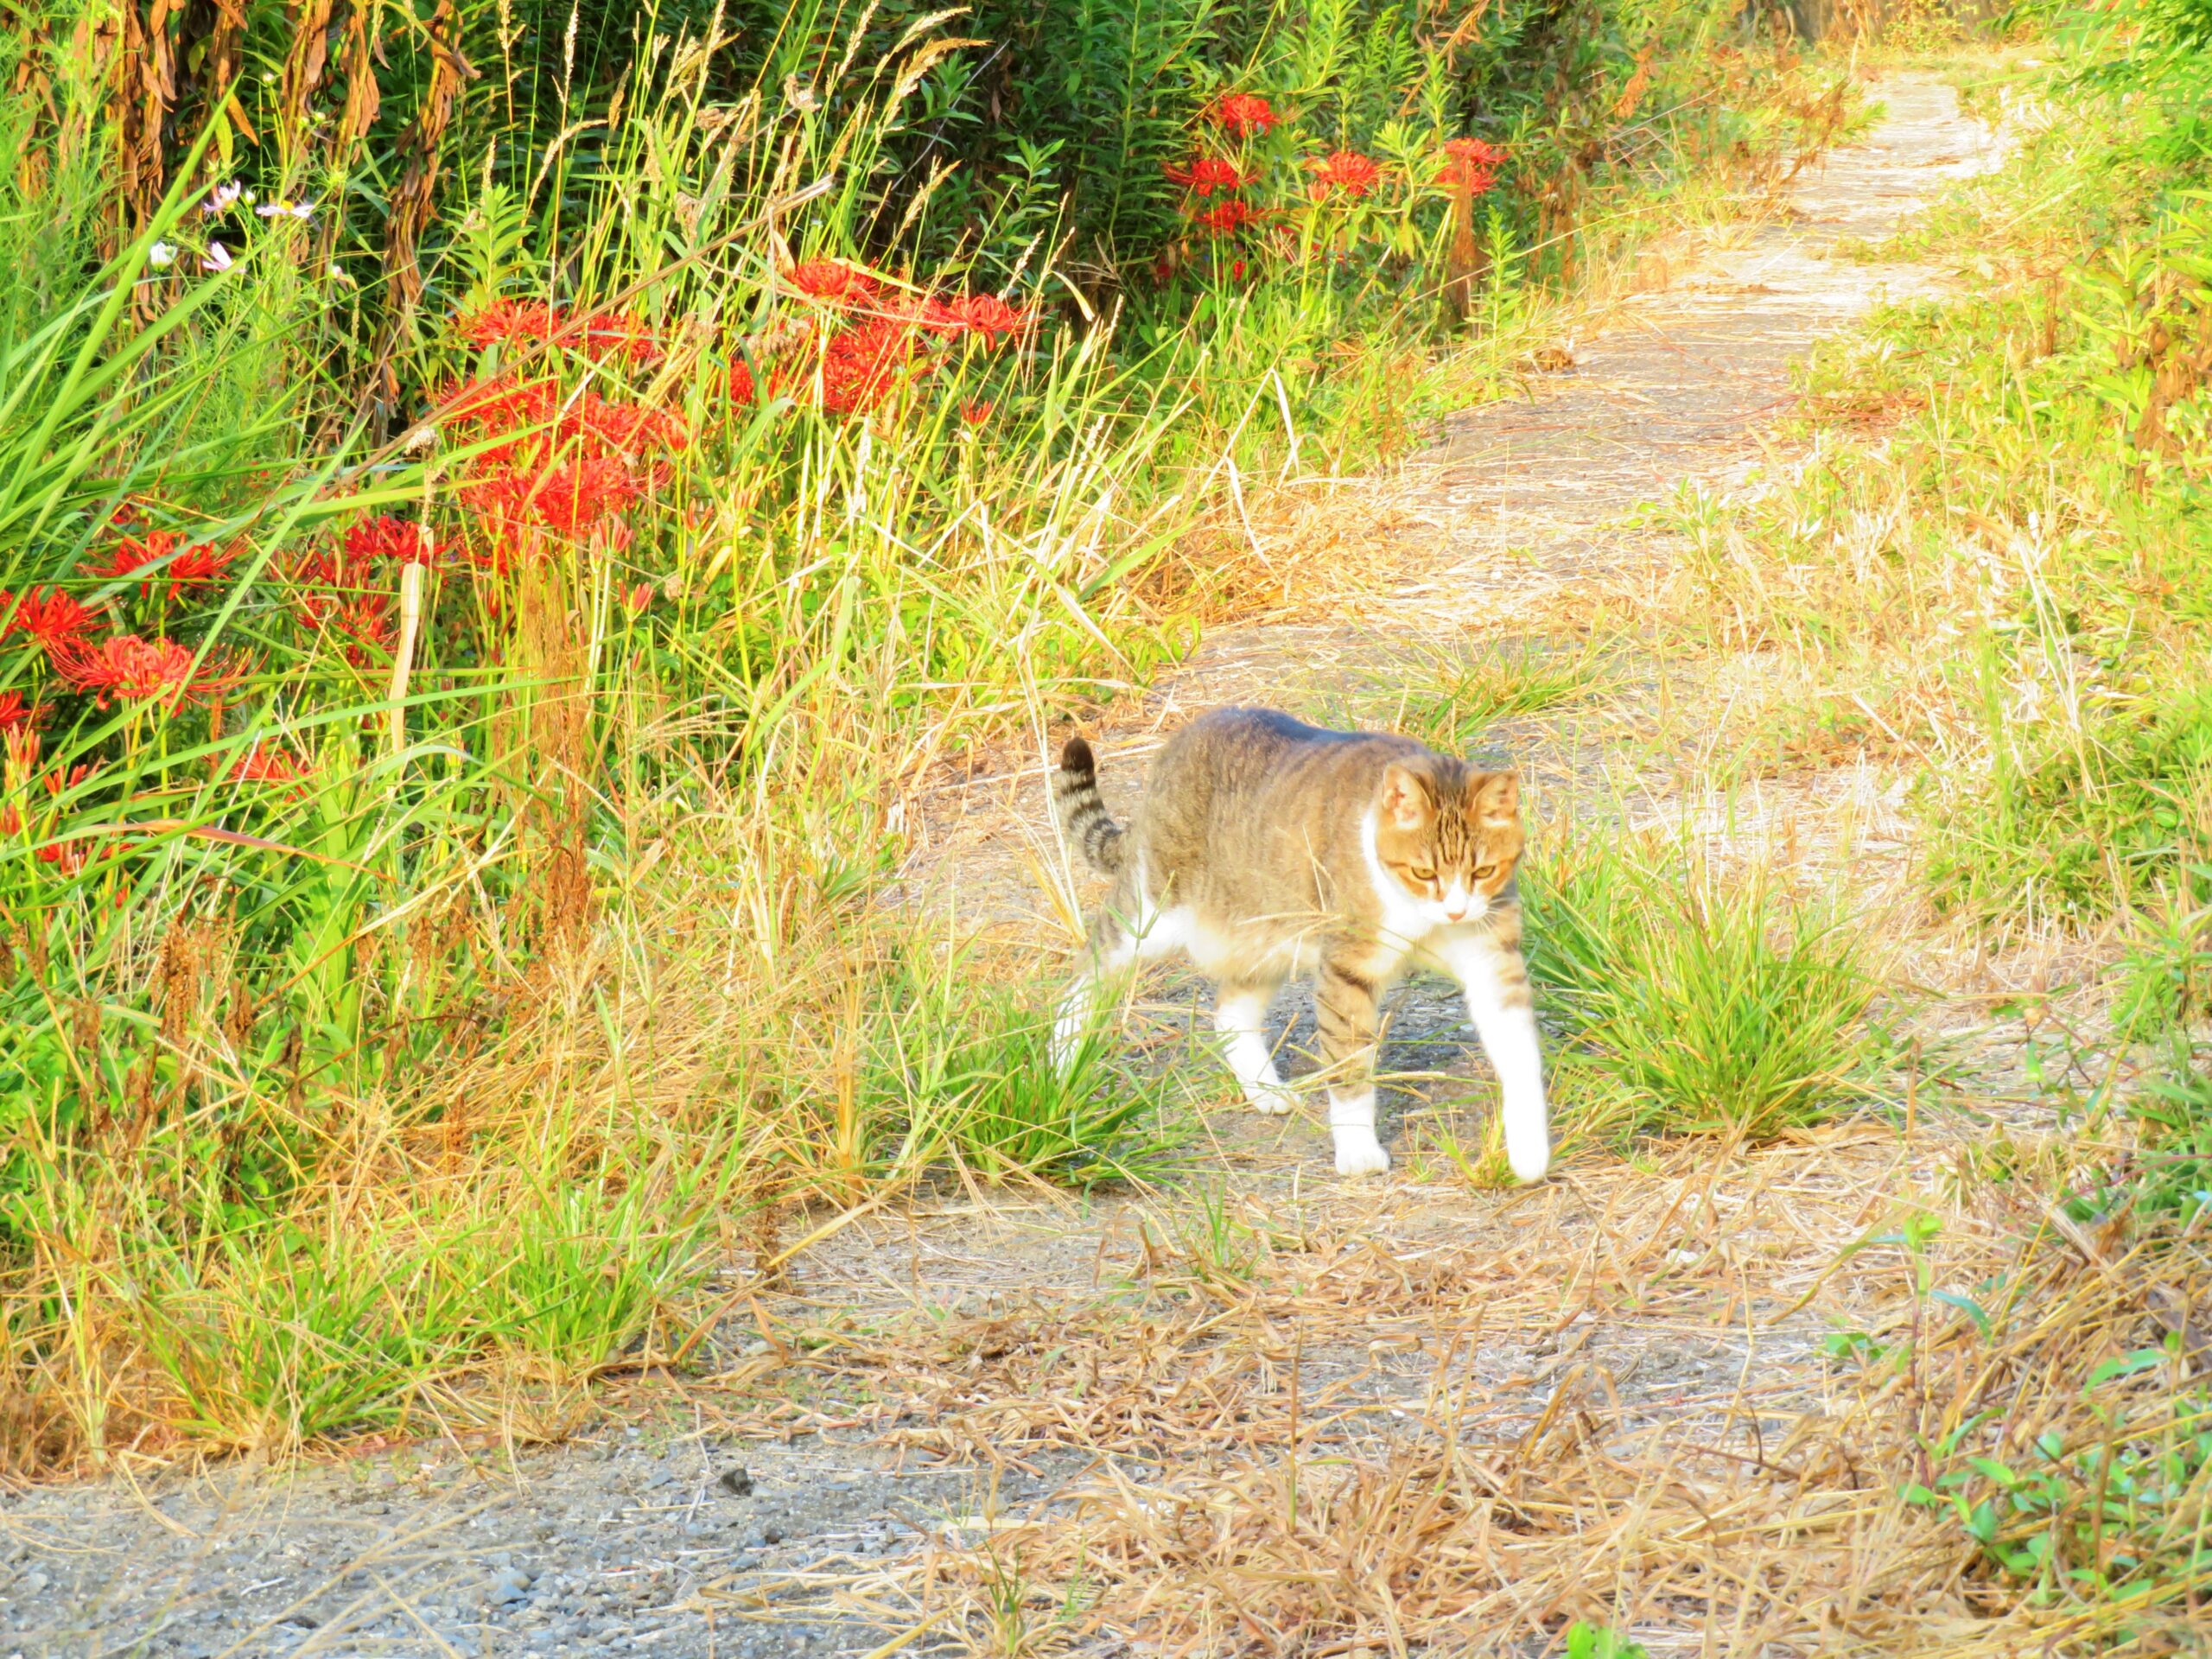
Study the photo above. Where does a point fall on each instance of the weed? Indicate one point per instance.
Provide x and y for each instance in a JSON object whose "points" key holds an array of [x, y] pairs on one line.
{"points": [[1449, 695], [2106, 812], [1698, 1000], [1601, 1642], [962, 1076]]}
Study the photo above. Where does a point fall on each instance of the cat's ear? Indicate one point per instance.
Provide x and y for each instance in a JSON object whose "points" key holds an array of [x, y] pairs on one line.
{"points": [[1494, 799], [1405, 797]]}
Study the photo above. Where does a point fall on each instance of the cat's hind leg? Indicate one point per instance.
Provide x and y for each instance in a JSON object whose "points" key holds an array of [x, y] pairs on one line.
{"points": [[1345, 1002], [1112, 942], [1240, 1013]]}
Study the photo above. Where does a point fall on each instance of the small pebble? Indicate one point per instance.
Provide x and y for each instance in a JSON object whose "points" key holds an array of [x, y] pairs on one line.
{"points": [[737, 1481]]}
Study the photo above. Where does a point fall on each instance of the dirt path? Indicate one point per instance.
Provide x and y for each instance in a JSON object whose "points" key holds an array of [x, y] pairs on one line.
{"points": [[942, 1386]]}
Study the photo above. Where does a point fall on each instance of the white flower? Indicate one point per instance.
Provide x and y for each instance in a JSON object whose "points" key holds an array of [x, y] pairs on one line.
{"points": [[161, 255], [217, 258], [220, 198], [283, 209]]}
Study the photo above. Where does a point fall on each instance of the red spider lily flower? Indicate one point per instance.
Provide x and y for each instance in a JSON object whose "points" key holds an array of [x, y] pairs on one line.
{"points": [[509, 322], [1345, 172], [1236, 271], [1243, 115], [572, 497], [1470, 164], [131, 554], [67, 856], [267, 763], [943, 317], [15, 716], [137, 670], [50, 617], [985, 315], [832, 281], [639, 599], [1227, 219], [23, 742], [499, 407], [386, 537], [54, 783], [366, 621], [624, 429], [568, 500], [598, 334], [199, 567], [993, 318], [614, 333], [863, 363], [321, 578], [1209, 174], [976, 410], [742, 392]]}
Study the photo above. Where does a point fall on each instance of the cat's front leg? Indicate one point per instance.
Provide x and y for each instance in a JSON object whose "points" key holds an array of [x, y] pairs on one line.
{"points": [[1487, 962], [1345, 1003]]}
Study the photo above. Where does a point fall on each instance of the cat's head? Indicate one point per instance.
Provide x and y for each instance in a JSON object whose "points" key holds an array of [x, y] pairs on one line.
{"points": [[1448, 834]]}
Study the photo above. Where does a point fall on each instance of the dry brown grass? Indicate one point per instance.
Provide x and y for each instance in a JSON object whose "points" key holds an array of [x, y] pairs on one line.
{"points": [[1449, 1425]]}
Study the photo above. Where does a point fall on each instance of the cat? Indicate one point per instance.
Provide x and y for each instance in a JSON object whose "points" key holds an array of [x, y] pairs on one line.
{"points": [[1267, 849]]}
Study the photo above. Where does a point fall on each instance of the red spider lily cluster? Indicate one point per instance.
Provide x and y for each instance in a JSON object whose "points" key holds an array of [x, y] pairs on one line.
{"points": [[1470, 165], [872, 340], [552, 467], [1345, 172], [1213, 185], [23, 749], [1243, 115], [15, 714], [157, 670], [338, 591]]}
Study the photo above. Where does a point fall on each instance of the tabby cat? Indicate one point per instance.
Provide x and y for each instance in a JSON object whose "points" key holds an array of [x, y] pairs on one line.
{"points": [[1267, 847]]}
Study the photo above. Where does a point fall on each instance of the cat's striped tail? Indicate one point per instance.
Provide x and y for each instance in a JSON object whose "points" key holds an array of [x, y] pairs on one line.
{"points": [[1090, 828]]}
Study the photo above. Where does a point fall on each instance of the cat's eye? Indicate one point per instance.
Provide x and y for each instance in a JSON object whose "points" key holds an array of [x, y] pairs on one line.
{"points": [[1483, 872], [1420, 873]]}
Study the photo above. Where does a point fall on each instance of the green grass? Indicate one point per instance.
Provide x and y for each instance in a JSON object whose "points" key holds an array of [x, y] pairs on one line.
{"points": [[1698, 1000], [958, 1075], [2113, 811], [1450, 695]]}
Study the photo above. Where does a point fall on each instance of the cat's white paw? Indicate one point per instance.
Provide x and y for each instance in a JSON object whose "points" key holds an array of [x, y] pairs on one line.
{"points": [[1358, 1152], [1529, 1167], [1270, 1099]]}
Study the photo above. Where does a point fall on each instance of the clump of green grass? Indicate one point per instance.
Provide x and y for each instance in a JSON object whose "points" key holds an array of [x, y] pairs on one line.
{"points": [[1699, 1002], [959, 1075], [2100, 815], [1450, 695]]}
